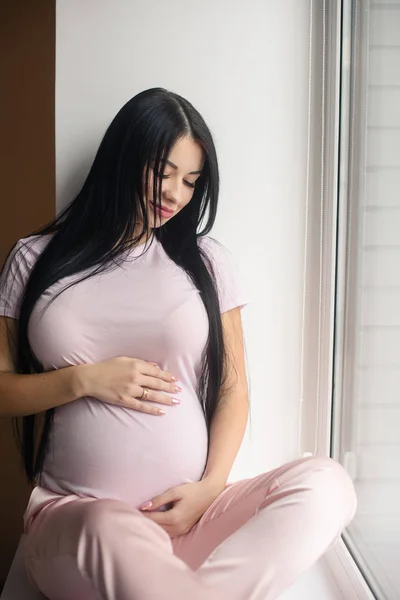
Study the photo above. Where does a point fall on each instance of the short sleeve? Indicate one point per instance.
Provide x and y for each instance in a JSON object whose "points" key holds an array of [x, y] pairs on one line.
{"points": [[14, 277], [231, 292]]}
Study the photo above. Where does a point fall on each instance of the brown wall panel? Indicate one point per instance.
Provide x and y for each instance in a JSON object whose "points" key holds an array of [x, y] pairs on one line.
{"points": [[27, 193]]}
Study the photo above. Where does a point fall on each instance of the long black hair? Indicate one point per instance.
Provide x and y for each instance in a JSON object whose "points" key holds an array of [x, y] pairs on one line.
{"points": [[101, 224]]}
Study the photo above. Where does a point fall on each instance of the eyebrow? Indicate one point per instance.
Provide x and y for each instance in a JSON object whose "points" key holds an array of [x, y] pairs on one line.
{"points": [[171, 164]]}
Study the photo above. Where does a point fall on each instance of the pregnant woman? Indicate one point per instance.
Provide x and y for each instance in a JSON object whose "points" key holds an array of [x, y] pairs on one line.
{"points": [[121, 349]]}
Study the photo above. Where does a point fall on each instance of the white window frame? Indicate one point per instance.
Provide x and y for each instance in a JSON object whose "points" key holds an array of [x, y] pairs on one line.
{"points": [[331, 51]]}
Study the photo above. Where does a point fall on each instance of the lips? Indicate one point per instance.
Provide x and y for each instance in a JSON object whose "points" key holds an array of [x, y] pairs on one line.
{"points": [[165, 212]]}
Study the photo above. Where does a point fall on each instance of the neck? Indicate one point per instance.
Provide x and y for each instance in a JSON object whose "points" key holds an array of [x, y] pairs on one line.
{"points": [[145, 237]]}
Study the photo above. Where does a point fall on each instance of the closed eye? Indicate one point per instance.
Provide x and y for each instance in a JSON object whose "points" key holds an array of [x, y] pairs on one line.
{"points": [[191, 185]]}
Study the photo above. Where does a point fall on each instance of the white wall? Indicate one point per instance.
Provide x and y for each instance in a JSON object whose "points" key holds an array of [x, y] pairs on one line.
{"points": [[244, 66]]}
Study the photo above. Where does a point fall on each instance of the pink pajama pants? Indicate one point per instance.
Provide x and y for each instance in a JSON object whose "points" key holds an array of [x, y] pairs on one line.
{"points": [[252, 543]]}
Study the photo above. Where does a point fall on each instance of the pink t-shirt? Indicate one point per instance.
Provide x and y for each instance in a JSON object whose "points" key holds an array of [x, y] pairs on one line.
{"points": [[146, 308]]}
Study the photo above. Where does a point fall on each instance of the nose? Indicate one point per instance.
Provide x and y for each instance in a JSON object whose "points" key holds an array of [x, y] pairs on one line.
{"points": [[172, 192]]}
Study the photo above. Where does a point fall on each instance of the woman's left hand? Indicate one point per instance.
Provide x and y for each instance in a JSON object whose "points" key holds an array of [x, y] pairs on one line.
{"points": [[189, 503]]}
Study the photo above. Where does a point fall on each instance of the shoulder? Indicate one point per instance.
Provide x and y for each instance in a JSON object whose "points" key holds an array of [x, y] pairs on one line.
{"points": [[23, 255], [27, 249], [33, 244], [208, 243], [16, 272], [225, 272], [214, 250]]}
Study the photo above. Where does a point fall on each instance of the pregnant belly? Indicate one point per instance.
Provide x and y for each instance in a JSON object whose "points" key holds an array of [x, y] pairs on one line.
{"points": [[105, 451]]}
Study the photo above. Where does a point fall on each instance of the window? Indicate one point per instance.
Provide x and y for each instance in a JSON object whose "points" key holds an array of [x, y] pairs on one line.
{"points": [[350, 368], [367, 325]]}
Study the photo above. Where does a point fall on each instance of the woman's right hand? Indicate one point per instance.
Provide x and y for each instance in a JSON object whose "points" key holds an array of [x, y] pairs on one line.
{"points": [[120, 381]]}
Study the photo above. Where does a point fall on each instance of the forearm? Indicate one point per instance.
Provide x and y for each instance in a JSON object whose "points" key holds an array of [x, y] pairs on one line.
{"points": [[226, 434], [22, 395]]}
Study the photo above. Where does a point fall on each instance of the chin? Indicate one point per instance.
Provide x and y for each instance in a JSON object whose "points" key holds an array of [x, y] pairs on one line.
{"points": [[158, 223]]}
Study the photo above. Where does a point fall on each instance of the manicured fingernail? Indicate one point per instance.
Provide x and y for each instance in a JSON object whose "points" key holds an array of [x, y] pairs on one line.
{"points": [[155, 364], [161, 411], [178, 389], [146, 506], [173, 378], [175, 401]]}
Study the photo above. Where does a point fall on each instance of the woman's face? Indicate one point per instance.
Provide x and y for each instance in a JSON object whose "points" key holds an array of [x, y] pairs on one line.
{"points": [[182, 169]]}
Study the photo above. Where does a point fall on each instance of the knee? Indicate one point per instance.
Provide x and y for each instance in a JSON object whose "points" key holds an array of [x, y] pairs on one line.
{"points": [[333, 488]]}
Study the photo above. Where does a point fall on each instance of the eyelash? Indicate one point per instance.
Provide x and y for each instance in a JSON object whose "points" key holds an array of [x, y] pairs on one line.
{"points": [[191, 185]]}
